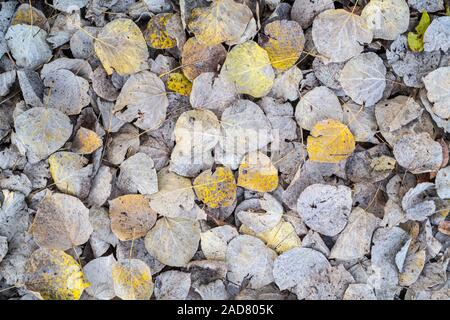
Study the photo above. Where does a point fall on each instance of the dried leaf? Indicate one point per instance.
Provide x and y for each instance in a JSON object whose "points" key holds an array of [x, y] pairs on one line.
{"points": [[257, 173], [216, 189], [131, 216], [340, 35], [330, 141], [173, 241], [138, 174], [61, 222], [54, 275], [223, 20], [248, 66], [132, 280], [121, 47]]}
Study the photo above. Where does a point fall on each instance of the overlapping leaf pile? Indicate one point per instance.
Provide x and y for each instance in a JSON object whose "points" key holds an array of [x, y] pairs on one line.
{"points": [[224, 149]]}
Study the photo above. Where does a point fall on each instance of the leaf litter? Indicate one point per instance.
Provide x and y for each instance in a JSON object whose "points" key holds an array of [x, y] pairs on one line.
{"points": [[224, 150]]}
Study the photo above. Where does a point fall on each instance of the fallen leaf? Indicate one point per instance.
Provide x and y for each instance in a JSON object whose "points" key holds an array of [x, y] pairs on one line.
{"points": [[216, 189], [121, 47], [132, 280], [330, 141], [54, 275], [131, 216], [257, 173]]}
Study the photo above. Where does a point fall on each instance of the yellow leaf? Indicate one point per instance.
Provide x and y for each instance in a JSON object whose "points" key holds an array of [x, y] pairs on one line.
{"points": [[121, 47], [383, 163], [54, 275], [248, 66], [257, 173], [131, 216], [280, 238], [178, 83], [415, 40], [284, 43], [330, 141], [86, 141], [156, 34], [224, 20], [132, 280], [217, 189]]}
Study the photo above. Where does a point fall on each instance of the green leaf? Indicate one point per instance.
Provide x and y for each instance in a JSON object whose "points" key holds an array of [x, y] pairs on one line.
{"points": [[415, 40]]}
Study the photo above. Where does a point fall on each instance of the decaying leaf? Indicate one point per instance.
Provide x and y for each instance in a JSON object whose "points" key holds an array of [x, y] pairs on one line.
{"points": [[138, 174], [216, 189], [71, 173], [223, 20], [248, 257], [340, 35], [257, 173], [316, 105], [437, 35], [418, 153], [325, 208], [284, 42], [131, 216], [98, 273], [28, 46], [175, 197], [61, 222], [86, 141], [363, 78], [248, 66], [386, 18], [42, 131], [214, 242], [54, 275], [304, 11], [197, 58], [121, 47], [142, 100], [173, 241], [132, 280], [178, 83], [395, 113], [330, 141]]}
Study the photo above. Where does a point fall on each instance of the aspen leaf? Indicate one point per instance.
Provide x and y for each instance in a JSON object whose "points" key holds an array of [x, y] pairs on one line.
{"points": [[178, 83], [415, 39], [132, 280], [280, 238], [98, 273], [197, 58], [42, 131], [263, 216], [330, 141], [70, 173], [86, 141], [284, 42], [340, 35], [248, 256], [28, 45], [142, 100], [61, 222], [223, 20], [54, 275], [131, 216], [387, 19], [325, 208], [316, 105], [257, 173], [138, 174], [437, 35], [363, 78], [121, 47], [216, 189], [26, 14], [175, 196], [156, 34], [248, 66], [304, 11], [173, 241]]}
